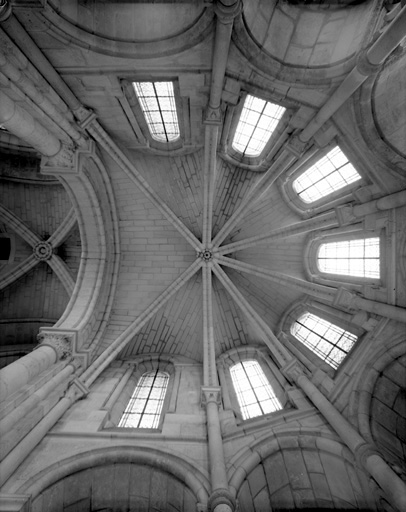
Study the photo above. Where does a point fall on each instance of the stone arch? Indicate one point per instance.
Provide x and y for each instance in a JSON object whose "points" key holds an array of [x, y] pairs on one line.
{"points": [[178, 469], [264, 31], [183, 38], [88, 186], [297, 469], [378, 402]]}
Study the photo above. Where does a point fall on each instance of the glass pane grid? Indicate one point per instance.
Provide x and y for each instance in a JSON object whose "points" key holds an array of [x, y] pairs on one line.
{"points": [[145, 405], [329, 174], [157, 101], [357, 258], [330, 342], [254, 393], [257, 122]]}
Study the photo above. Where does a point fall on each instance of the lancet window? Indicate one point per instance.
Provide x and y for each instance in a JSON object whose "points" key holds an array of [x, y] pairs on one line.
{"points": [[157, 101], [145, 406], [258, 120], [358, 257], [327, 340], [254, 393], [329, 174]]}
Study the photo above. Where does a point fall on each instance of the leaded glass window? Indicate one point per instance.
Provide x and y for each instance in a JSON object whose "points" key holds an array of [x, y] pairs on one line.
{"points": [[327, 340], [257, 122], [357, 258], [157, 101], [145, 405], [329, 174], [254, 393]]}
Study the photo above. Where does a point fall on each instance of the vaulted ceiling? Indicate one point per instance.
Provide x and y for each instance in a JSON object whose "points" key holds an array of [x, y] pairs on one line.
{"points": [[292, 54]]}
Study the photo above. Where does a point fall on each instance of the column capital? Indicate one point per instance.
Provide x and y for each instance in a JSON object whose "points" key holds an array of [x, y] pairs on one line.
{"points": [[210, 394], [212, 115], [65, 343], [364, 66], [345, 299], [293, 370], [61, 342], [221, 497], [345, 214], [5, 10], [363, 451], [296, 146], [227, 10], [63, 162], [76, 390]]}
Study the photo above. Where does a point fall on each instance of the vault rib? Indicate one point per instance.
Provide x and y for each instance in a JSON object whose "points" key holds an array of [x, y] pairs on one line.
{"points": [[102, 137], [63, 230], [271, 341], [19, 271], [323, 221], [316, 290], [104, 359]]}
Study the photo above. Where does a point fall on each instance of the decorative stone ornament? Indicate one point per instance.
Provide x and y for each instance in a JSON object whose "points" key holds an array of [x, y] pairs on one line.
{"points": [[364, 66], [205, 255], [61, 343], [43, 251], [210, 394], [345, 299], [293, 370], [345, 214], [212, 115], [5, 10], [221, 497]]}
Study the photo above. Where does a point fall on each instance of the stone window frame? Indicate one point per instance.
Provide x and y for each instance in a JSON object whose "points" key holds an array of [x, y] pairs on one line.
{"points": [[310, 359], [11, 256], [115, 405], [337, 197], [137, 119], [276, 140], [275, 379], [316, 239]]}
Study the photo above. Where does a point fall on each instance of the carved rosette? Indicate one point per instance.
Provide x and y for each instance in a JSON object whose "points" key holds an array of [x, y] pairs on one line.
{"points": [[221, 497], [206, 255], [61, 343], [43, 251]]}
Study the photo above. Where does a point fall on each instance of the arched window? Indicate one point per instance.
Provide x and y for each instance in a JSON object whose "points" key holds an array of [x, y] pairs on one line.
{"points": [[145, 405], [327, 175], [157, 101], [258, 120], [355, 257], [254, 393], [330, 342]]}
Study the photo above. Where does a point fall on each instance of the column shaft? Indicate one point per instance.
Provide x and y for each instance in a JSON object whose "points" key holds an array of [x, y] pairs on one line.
{"points": [[11, 462], [19, 122], [375, 56], [33, 400], [387, 479], [384, 203], [16, 375]]}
